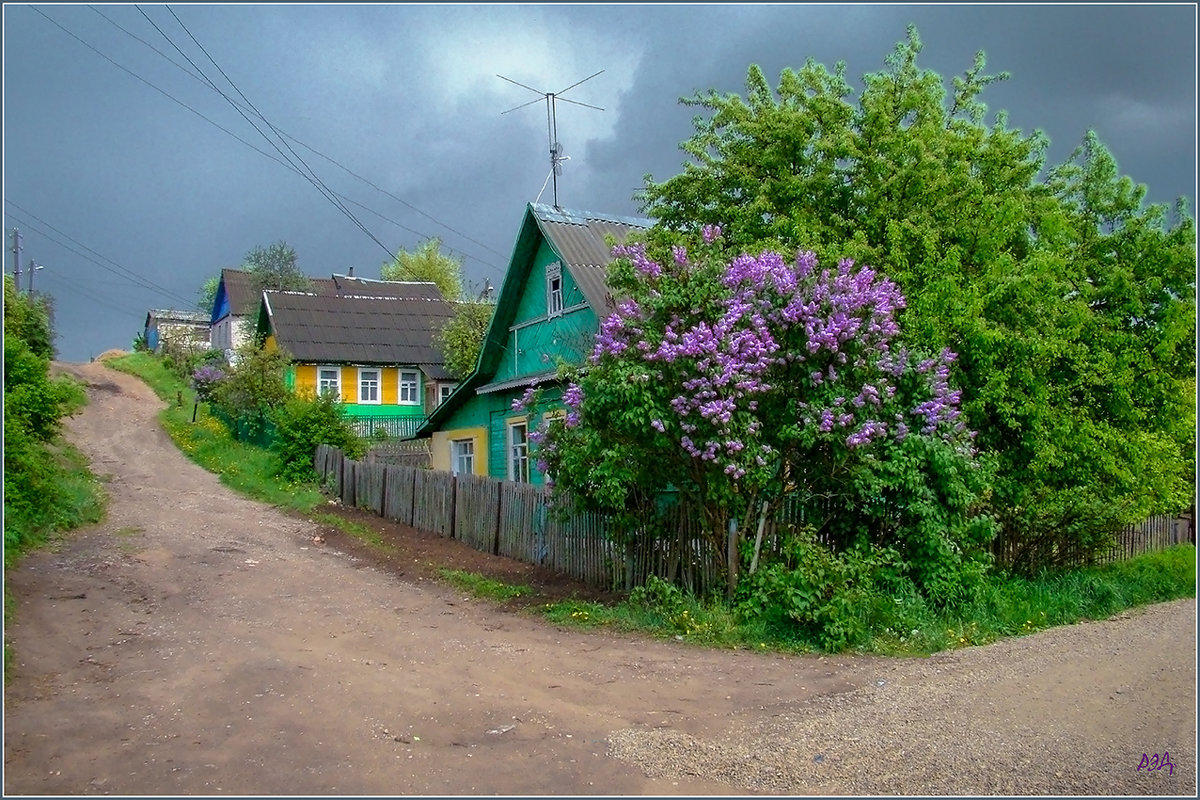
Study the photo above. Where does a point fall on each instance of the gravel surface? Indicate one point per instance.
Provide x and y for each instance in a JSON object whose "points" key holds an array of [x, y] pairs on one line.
{"points": [[1068, 710]]}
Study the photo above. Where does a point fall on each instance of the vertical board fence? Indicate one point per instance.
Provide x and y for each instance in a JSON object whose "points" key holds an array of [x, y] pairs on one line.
{"points": [[520, 521]]}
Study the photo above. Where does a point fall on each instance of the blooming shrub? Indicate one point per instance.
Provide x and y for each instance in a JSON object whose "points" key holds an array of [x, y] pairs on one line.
{"points": [[741, 383], [205, 380]]}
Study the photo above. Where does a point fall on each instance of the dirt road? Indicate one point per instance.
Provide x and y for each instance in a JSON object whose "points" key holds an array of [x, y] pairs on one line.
{"points": [[200, 643]]}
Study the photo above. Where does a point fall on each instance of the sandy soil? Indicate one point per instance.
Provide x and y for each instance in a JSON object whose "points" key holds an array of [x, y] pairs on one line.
{"points": [[199, 643]]}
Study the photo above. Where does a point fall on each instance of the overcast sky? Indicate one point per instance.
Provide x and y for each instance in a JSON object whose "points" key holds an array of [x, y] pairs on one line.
{"points": [[131, 181]]}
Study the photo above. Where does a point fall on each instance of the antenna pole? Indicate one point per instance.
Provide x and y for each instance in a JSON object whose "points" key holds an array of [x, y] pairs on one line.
{"points": [[554, 149], [551, 98]]}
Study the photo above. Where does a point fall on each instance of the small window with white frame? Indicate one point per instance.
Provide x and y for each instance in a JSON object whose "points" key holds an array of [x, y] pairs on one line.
{"points": [[410, 388], [445, 390], [368, 387], [329, 381], [518, 451], [462, 456], [554, 290]]}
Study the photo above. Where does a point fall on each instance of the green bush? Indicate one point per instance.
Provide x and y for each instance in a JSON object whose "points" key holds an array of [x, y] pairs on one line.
{"points": [[826, 596], [45, 489], [302, 423]]}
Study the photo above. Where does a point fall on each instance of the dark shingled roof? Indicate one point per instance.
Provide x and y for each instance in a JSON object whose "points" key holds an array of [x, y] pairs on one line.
{"points": [[580, 237], [385, 331], [242, 300]]}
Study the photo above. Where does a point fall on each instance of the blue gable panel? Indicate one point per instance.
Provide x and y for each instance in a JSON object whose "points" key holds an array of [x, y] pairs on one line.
{"points": [[220, 304]]}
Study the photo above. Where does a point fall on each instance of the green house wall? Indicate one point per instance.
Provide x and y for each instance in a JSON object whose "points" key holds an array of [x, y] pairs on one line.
{"points": [[536, 343]]}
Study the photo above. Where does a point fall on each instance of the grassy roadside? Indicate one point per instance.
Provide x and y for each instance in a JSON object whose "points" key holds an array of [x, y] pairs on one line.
{"points": [[1007, 606], [78, 499]]}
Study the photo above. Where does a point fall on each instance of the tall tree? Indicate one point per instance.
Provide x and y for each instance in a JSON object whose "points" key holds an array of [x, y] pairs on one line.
{"points": [[275, 267], [1071, 305], [427, 262], [461, 339]]}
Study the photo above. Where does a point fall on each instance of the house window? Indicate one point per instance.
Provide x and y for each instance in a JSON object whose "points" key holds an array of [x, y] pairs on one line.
{"points": [[554, 290], [368, 386], [518, 452], [410, 383], [445, 390], [329, 381], [462, 456]]}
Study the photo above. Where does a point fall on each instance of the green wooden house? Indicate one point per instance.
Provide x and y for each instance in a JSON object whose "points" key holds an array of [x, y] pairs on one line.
{"points": [[549, 309]]}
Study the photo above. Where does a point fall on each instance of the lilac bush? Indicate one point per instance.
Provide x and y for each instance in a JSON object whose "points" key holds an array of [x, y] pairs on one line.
{"points": [[740, 381], [205, 380]]}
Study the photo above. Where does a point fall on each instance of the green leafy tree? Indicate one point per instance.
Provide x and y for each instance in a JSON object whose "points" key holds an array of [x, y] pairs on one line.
{"points": [[1069, 303], [427, 262], [29, 318], [252, 388], [461, 339], [275, 267], [207, 296]]}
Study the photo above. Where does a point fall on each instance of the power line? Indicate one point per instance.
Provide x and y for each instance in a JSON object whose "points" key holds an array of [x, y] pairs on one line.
{"points": [[285, 134], [129, 274], [307, 172], [230, 133]]}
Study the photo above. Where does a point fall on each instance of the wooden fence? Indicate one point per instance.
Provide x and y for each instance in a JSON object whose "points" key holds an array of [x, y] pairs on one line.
{"points": [[502, 518], [521, 521]]}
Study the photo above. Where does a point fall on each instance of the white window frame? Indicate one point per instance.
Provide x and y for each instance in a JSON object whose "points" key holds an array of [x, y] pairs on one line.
{"points": [[444, 391], [554, 290], [518, 451], [322, 384], [462, 456], [410, 387], [365, 401]]}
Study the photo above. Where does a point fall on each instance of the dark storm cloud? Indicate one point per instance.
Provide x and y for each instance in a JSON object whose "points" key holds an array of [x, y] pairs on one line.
{"points": [[407, 98]]}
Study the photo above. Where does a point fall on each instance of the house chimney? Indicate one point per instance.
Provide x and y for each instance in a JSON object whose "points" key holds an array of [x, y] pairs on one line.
{"points": [[351, 275]]}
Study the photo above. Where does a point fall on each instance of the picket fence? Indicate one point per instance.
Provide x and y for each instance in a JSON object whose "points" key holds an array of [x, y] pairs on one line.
{"points": [[516, 520], [524, 522]]}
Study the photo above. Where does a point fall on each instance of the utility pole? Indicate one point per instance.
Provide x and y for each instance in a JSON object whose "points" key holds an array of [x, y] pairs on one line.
{"points": [[16, 250], [32, 268]]}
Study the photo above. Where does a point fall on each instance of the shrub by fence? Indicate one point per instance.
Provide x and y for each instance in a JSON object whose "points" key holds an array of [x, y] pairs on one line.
{"points": [[521, 521]]}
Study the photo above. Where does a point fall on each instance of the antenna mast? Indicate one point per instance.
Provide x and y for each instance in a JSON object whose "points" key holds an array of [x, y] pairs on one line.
{"points": [[556, 149]]}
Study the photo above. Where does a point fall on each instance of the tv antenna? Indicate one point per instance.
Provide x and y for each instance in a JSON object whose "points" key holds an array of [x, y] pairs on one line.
{"points": [[556, 149]]}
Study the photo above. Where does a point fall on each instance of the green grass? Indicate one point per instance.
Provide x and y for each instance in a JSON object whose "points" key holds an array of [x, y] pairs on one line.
{"points": [[1008, 606], [355, 529], [80, 501], [480, 586]]}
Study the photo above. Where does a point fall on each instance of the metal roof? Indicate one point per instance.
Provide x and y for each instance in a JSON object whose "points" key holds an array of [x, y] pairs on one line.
{"points": [[581, 238], [385, 331], [173, 315], [350, 286]]}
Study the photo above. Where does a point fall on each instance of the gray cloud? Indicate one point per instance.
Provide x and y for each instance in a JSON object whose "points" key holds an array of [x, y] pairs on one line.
{"points": [[407, 98]]}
